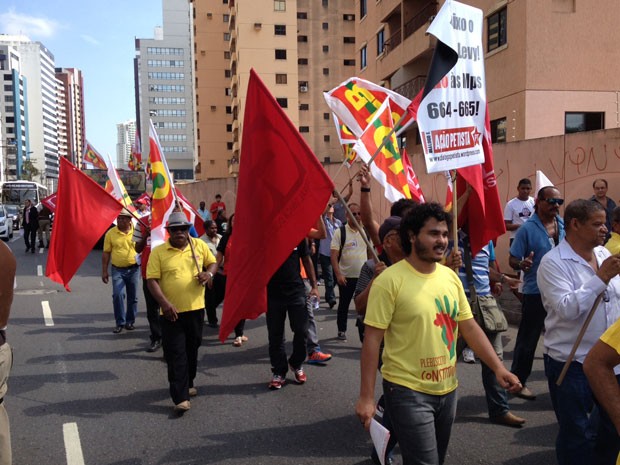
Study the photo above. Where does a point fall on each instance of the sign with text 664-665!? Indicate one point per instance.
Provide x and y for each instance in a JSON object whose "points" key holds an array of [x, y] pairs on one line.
{"points": [[451, 115]]}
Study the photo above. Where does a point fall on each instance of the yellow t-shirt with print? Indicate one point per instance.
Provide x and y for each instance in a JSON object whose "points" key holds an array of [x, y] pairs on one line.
{"points": [[176, 271], [613, 244], [611, 337], [419, 313], [120, 246]]}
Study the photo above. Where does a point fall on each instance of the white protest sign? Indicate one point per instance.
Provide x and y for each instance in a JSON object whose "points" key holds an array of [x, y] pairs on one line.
{"points": [[451, 116]]}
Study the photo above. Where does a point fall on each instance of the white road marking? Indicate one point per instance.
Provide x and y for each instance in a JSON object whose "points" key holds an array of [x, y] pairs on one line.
{"points": [[73, 447], [41, 250], [47, 313], [39, 270]]}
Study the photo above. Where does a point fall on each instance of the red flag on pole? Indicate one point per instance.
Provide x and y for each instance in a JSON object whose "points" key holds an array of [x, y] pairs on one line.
{"points": [[76, 229], [282, 191], [412, 179]]}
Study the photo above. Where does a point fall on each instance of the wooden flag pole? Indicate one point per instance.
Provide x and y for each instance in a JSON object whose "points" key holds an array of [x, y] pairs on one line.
{"points": [[586, 323], [455, 212]]}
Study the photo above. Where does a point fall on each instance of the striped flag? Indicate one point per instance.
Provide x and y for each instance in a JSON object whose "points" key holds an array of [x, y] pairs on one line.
{"points": [[162, 203], [115, 186], [93, 157], [135, 157]]}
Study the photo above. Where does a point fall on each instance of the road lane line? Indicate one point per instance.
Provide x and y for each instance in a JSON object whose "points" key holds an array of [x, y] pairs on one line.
{"points": [[47, 313], [73, 448], [39, 270]]}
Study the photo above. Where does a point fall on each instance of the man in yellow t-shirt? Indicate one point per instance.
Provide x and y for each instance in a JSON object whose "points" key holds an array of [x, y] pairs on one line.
{"points": [[605, 382], [418, 307], [613, 244], [119, 249], [176, 277]]}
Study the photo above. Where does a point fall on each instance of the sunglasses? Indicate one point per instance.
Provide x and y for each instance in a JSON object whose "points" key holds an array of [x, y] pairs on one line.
{"points": [[174, 229], [555, 201]]}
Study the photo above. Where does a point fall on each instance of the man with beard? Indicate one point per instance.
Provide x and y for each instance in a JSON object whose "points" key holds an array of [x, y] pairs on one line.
{"points": [[537, 236], [418, 307], [570, 278], [176, 276]]}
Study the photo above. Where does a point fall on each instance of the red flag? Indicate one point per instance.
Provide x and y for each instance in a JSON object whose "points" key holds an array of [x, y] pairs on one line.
{"points": [[191, 213], [282, 191], [412, 179], [50, 202], [76, 229], [449, 191], [483, 208]]}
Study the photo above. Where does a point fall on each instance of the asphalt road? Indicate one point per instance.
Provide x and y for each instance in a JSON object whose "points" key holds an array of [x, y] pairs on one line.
{"points": [[77, 390]]}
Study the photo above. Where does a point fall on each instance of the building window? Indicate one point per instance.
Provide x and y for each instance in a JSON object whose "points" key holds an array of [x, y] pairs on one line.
{"points": [[228, 110], [325, 115], [325, 3], [302, 38], [279, 5], [363, 57], [302, 61], [229, 145], [302, 15], [304, 129], [325, 26], [498, 130], [496, 25], [583, 121], [283, 102], [281, 79], [304, 107], [227, 91], [227, 73], [348, 40], [229, 128], [279, 29], [326, 138], [363, 8], [226, 18], [325, 71], [348, 17], [380, 41], [226, 36], [349, 62], [227, 55], [280, 54], [325, 48]]}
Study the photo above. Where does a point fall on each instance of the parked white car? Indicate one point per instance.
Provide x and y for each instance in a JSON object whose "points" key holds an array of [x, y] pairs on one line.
{"points": [[6, 224]]}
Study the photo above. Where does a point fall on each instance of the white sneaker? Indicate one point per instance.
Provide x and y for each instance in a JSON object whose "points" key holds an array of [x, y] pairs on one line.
{"points": [[468, 355]]}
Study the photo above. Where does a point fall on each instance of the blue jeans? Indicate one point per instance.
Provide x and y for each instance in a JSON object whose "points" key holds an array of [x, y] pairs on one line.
{"points": [[327, 274], [586, 435], [497, 399], [422, 423], [532, 322], [125, 286]]}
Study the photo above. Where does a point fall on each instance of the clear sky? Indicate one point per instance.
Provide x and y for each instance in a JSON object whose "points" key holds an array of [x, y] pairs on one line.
{"points": [[96, 37]]}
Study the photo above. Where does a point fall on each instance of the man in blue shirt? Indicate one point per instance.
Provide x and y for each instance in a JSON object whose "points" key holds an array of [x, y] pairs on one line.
{"points": [[537, 236]]}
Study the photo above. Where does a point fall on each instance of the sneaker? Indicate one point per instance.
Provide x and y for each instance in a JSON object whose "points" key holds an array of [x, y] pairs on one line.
{"points": [[468, 355], [276, 382], [182, 406], [130, 327], [155, 345], [300, 376], [193, 392], [332, 304], [342, 336], [318, 357], [117, 330]]}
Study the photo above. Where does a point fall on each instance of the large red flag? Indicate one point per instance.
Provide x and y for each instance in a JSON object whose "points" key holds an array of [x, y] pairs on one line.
{"points": [[76, 229], [282, 191]]}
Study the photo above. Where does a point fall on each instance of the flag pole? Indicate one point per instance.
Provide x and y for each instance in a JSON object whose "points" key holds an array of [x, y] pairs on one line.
{"points": [[578, 340], [359, 228], [455, 212]]}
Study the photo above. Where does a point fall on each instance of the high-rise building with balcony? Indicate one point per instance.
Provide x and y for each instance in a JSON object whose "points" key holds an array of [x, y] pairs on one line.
{"points": [[14, 142], [75, 126], [163, 70], [539, 60], [125, 138], [61, 96], [299, 48]]}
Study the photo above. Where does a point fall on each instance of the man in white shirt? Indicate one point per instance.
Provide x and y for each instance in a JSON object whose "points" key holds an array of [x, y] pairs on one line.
{"points": [[519, 209], [570, 277]]}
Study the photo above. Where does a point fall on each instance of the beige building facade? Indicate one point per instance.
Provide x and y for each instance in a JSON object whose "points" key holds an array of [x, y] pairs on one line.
{"points": [[299, 48], [551, 67]]}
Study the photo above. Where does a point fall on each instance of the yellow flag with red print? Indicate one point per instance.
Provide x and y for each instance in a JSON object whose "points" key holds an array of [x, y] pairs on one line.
{"points": [[347, 139], [93, 157], [163, 196], [388, 167]]}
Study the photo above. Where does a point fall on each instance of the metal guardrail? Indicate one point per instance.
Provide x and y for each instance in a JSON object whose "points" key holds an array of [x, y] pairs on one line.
{"points": [[420, 19]]}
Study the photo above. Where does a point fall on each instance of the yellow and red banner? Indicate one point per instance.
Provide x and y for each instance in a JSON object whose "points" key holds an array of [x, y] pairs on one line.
{"points": [[388, 167], [162, 203], [135, 158], [93, 157], [347, 139]]}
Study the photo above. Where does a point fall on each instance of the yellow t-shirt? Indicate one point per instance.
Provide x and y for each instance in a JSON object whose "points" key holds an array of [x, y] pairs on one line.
{"points": [[419, 313], [354, 252], [120, 246], [611, 336], [176, 271], [613, 244]]}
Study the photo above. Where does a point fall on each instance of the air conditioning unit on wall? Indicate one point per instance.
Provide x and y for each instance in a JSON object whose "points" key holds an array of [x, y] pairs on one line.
{"points": [[303, 88]]}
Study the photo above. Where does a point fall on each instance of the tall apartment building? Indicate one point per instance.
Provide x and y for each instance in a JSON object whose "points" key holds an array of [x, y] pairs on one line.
{"points": [[61, 96], [125, 137], [75, 126], [37, 65], [14, 141], [539, 60], [299, 48], [164, 88]]}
